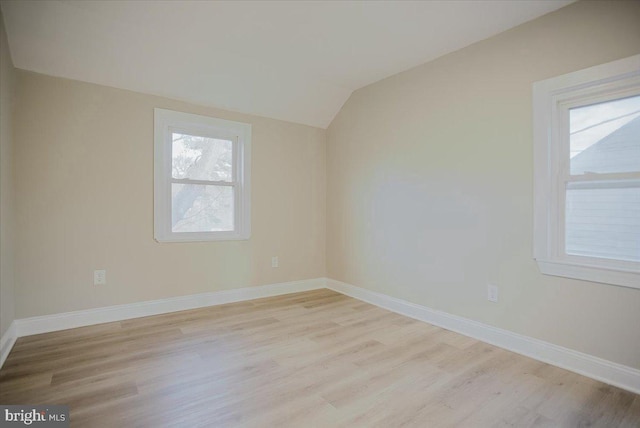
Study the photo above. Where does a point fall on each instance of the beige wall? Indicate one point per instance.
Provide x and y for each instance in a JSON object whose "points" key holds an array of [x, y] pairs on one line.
{"points": [[84, 180], [429, 177], [6, 184]]}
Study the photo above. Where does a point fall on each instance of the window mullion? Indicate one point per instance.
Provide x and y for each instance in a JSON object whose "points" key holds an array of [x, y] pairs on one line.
{"points": [[618, 176], [603, 184], [202, 182]]}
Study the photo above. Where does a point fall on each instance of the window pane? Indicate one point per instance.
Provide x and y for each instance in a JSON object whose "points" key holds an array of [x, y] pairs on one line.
{"points": [[604, 223], [201, 208], [605, 137], [201, 158]]}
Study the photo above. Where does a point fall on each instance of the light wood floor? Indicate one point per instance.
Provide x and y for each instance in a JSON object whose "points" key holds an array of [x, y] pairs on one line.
{"points": [[315, 359]]}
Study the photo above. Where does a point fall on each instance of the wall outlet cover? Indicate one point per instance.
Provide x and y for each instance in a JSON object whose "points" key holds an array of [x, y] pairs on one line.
{"points": [[492, 293], [99, 277]]}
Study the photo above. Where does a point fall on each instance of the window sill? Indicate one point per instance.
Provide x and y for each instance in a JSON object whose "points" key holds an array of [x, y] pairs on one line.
{"points": [[622, 278]]}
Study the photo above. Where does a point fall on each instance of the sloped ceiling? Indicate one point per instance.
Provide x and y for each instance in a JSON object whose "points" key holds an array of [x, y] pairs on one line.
{"points": [[292, 60]]}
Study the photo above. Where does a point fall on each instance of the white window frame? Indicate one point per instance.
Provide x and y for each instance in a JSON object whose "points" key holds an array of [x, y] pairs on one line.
{"points": [[552, 99], [165, 123]]}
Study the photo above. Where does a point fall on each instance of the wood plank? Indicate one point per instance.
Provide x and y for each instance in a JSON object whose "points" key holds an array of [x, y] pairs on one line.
{"points": [[307, 359]]}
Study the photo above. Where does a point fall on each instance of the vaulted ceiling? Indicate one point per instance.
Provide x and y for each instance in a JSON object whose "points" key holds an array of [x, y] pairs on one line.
{"points": [[292, 60]]}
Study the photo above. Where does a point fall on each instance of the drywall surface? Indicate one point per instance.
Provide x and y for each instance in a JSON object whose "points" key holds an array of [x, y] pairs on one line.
{"points": [[430, 184], [7, 304], [84, 186]]}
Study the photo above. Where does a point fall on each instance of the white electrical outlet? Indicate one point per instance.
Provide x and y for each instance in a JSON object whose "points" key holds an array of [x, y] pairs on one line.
{"points": [[274, 262], [492, 293], [99, 277]]}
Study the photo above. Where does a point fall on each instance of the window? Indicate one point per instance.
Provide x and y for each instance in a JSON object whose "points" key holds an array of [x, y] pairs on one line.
{"points": [[201, 178], [587, 174]]}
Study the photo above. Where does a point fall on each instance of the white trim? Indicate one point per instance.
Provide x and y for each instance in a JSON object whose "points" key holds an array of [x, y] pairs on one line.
{"points": [[167, 121], [7, 341], [551, 100], [63, 321], [589, 273], [596, 368], [587, 365]]}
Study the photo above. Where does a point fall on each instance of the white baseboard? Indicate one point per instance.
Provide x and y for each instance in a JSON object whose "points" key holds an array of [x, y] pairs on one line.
{"points": [[587, 365], [6, 342], [596, 368], [63, 321]]}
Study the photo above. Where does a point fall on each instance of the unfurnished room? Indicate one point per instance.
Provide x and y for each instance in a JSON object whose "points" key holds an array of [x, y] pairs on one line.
{"points": [[320, 213]]}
